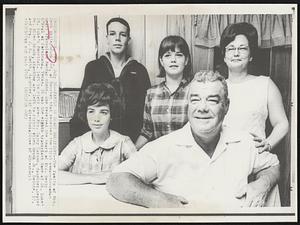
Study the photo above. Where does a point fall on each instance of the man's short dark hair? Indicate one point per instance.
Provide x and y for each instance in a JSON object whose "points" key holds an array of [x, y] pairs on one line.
{"points": [[119, 20]]}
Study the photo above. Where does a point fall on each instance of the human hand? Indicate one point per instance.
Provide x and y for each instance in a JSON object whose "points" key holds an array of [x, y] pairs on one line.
{"points": [[100, 178], [256, 193], [261, 143], [172, 201]]}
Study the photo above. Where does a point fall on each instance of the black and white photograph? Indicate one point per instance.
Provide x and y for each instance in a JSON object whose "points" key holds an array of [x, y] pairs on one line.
{"points": [[150, 113]]}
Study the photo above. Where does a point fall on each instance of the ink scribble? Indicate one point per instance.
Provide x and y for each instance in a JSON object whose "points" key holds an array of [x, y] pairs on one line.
{"points": [[53, 48]]}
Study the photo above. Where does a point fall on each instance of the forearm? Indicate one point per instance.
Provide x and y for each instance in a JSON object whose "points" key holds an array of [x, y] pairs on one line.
{"points": [[128, 188], [278, 133], [65, 177], [140, 142], [269, 177]]}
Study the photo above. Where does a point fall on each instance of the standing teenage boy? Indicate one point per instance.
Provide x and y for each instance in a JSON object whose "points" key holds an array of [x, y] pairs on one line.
{"points": [[127, 76]]}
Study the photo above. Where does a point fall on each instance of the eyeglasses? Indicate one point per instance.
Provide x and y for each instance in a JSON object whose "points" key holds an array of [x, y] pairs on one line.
{"points": [[243, 50]]}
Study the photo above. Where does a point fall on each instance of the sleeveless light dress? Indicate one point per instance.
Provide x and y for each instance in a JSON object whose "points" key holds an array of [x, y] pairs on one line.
{"points": [[248, 111], [248, 105]]}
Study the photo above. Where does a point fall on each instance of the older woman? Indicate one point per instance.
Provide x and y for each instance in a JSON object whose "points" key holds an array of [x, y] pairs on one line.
{"points": [[252, 98]]}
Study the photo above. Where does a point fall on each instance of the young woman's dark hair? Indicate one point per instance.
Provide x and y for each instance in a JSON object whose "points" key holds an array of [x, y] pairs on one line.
{"points": [[171, 43], [119, 20], [99, 94]]}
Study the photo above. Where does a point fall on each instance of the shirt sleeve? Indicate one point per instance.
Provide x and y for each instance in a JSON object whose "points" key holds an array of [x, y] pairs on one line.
{"points": [[147, 129], [128, 148], [68, 155], [142, 164]]}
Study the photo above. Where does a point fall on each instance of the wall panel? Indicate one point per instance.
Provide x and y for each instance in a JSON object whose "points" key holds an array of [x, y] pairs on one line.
{"points": [[156, 30], [77, 48]]}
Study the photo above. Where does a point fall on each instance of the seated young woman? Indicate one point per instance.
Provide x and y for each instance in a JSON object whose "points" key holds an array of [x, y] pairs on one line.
{"points": [[91, 157]]}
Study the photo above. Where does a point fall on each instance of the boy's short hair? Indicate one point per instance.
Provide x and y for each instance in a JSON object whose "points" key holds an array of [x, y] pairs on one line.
{"points": [[120, 20], [99, 94]]}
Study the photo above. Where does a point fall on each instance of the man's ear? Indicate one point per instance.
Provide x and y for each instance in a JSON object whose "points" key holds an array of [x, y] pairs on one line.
{"points": [[227, 105]]}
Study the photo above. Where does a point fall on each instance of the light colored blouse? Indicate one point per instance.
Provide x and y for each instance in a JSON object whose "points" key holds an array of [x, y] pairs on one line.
{"points": [[82, 155]]}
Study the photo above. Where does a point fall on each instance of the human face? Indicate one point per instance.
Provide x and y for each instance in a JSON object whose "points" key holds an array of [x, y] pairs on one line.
{"points": [[237, 53], [173, 62], [207, 108], [117, 38], [98, 118]]}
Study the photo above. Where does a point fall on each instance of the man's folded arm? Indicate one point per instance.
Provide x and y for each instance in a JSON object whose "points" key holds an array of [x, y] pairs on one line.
{"points": [[257, 191], [128, 188], [269, 176], [266, 169]]}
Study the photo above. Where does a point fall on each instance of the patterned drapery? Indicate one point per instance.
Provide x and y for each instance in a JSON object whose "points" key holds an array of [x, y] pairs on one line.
{"points": [[273, 30]]}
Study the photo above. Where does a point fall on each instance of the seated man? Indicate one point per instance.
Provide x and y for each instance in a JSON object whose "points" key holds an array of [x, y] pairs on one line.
{"points": [[203, 163]]}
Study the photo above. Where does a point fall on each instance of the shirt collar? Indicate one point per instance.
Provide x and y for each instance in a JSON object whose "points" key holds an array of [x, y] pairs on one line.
{"points": [[227, 137], [89, 145], [183, 83], [128, 59], [186, 137]]}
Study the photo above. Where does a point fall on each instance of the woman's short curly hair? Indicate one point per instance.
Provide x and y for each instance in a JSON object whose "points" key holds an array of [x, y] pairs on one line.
{"points": [[99, 94], [229, 34], [246, 29]]}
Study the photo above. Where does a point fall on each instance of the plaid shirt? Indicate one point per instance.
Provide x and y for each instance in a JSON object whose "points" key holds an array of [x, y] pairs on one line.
{"points": [[164, 111]]}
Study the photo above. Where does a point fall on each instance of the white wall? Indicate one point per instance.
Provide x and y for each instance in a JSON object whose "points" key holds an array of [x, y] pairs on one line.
{"points": [[78, 47]]}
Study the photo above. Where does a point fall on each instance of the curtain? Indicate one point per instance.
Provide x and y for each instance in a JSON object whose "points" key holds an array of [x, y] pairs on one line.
{"points": [[207, 32], [201, 56], [273, 30]]}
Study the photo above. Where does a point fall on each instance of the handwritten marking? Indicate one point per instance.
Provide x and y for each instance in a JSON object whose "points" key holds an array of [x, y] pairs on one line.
{"points": [[53, 48]]}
